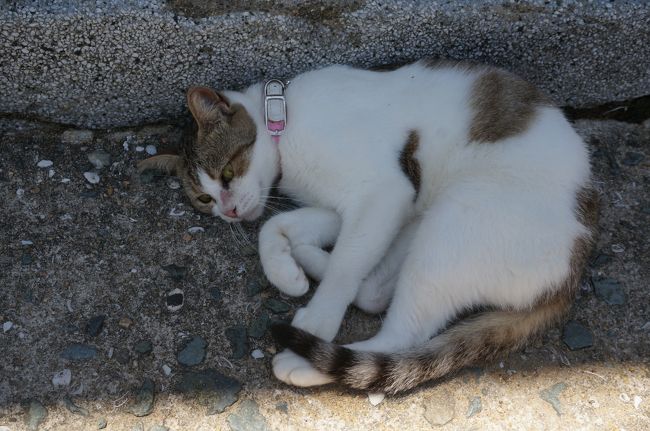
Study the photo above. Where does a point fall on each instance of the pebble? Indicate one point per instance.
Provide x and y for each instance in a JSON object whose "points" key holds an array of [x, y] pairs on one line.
{"points": [[173, 184], [215, 294], [125, 322], [609, 290], [645, 327], [101, 423], [175, 300], [632, 158], [26, 242], [254, 287], [618, 248], [257, 354], [35, 415], [550, 395], [99, 159], [79, 352], [77, 137], [6, 327], [376, 398], [175, 212], [62, 378], [139, 148], [601, 260], [212, 389], [73, 408], [193, 353], [247, 418], [144, 399], [95, 325], [439, 408], [259, 326], [176, 272], [45, 163], [475, 406], [624, 397], [238, 341], [282, 406], [196, 229], [91, 177], [65, 180], [151, 150], [143, 347], [167, 369], [576, 336], [276, 305], [637, 401]]}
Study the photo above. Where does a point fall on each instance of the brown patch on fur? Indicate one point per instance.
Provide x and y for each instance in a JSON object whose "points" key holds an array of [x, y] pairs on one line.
{"points": [[409, 163], [503, 106]]}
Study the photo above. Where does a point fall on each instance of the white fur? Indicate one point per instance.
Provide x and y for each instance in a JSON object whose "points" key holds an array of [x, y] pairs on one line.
{"points": [[493, 223]]}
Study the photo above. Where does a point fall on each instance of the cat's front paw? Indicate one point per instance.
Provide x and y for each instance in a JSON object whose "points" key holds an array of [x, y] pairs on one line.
{"points": [[285, 274], [321, 324], [297, 371]]}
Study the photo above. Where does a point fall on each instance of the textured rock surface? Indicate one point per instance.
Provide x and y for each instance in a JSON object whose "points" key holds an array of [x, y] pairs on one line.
{"points": [[95, 63]]}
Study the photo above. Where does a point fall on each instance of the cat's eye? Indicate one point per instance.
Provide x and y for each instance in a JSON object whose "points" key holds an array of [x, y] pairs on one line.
{"points": [[205, 198], [228, 173]]}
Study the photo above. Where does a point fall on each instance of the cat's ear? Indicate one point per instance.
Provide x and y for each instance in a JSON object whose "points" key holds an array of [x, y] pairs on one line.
{"points": [[207, 106], [167, 163]]}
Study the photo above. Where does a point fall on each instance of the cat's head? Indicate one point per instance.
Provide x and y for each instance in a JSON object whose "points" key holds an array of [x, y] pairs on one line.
{"points": [[226, 167]]}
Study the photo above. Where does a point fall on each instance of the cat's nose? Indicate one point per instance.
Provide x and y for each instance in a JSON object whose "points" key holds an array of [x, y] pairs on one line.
{"points": [[231, 213]]}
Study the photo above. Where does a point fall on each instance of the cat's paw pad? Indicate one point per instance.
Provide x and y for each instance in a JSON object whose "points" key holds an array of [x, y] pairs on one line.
{"points": [[297, 371], [285, 274]]}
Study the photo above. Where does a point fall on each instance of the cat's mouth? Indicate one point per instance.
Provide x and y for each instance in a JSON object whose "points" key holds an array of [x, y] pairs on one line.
{"points": [[234, 216]]}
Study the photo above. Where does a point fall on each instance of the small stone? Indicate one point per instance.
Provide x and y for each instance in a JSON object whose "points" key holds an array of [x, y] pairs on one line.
{"points": [[91, 177], [618, 248], [26, 259], [139, 148], [158, 428], [6, 327], [257, 354], [99, 159], [26, 242], [247, 418], [624, 397], [144, 399], [475, 406], [210, 388], [215, 294], [238, 342], [254, 287], [125, 323], [439, 408], [187, 237], [283, 407], [195, 229], [173, 184], [259, 326], [276, 305], [143, 347], [645, 327], [176, 272], [45, 163], [50, 173], [73, 408], [193, 353], [632, 158], [151, 150], [101, 423], [601, 260], [576, 336], [35, 415], [175, 212], [609, 290], [550, 395], [122, 356], [62, 378], [376, 398], [95, 325], [167, 369], [79, 352], [174, 300], [77, 137], [637, 401]]}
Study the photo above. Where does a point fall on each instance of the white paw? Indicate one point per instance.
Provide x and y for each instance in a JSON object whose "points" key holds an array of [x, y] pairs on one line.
{"points": [[322, 325], [285, 274], [297, 371]]}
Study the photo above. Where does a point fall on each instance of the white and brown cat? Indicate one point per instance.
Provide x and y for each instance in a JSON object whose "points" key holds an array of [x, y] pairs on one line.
{"points": [[442, 187]]}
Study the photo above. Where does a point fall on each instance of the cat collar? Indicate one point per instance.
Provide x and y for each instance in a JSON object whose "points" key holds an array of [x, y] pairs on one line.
{"points": [[275, 108]]}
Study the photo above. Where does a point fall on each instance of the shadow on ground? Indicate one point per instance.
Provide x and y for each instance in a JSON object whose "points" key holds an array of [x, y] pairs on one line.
{"points": [[86, 270]]}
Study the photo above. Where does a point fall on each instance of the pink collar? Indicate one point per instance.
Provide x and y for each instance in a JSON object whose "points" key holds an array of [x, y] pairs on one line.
{"points": [[275, 108]]}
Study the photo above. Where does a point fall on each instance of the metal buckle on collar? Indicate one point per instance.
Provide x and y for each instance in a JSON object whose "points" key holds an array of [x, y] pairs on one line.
{"points": [[275, 107]]}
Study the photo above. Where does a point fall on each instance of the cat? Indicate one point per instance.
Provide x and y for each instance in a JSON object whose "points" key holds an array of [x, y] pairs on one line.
{"points": [[443, 187]]}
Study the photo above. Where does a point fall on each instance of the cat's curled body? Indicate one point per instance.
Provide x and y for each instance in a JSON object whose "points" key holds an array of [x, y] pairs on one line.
{"points": [[443, 188]]}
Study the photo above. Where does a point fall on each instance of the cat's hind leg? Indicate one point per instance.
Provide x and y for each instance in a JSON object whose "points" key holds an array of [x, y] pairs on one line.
{"points": [[290, 244]]}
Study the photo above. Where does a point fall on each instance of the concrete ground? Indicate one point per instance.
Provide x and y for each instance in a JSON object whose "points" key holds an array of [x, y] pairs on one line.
{"points": [[85, 276]]}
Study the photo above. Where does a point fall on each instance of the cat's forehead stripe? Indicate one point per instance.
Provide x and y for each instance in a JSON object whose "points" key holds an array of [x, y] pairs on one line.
{"points": [[208, 185]]}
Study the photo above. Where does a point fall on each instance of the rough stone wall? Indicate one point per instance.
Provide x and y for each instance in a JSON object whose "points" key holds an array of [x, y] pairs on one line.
{"points": [[97, 64]]}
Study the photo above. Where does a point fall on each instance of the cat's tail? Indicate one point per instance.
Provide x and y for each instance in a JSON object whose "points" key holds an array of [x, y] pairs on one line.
{"points": [[477, 338]]}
